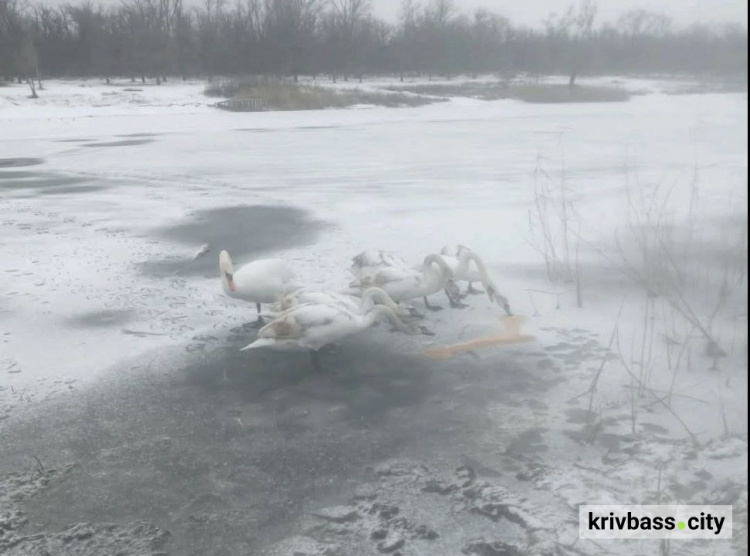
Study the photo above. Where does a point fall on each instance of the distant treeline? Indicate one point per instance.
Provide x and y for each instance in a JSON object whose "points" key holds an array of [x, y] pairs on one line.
{"points": [[342, 39]]}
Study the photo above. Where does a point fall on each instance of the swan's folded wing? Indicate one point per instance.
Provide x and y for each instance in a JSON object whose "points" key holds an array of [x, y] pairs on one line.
{"points": [[391, 259], [391, 274], [377, 258], [300, 320], [367, 258]]}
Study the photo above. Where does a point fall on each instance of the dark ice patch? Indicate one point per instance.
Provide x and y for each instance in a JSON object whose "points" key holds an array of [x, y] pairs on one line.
{"points": [[139, 135], [283, 129], [244, 231], [47, 182], [124, 143], [103, 318], [19, 162], [16, 175]]}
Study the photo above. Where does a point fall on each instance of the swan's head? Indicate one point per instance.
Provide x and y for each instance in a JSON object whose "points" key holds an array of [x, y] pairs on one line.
{"points": [[417, 329], [453, 291], [227, 270], [498, 298], [409, 311], [287, 303]]}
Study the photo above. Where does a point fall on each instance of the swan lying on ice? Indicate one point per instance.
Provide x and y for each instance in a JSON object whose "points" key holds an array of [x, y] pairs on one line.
{"points": [[371, 260], [311, 326], [404, 283], [462, 274], [261, 281], [348, 302]]}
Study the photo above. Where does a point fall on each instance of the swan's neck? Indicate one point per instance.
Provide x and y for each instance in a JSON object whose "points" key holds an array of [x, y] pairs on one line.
{"points": [[436, 275], [468, 256], [229, 281], [227, 274], [378, 310], [379, 295]]}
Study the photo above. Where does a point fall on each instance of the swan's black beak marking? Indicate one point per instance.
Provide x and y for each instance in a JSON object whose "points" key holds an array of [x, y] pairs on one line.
{"points": [[230, 281]]}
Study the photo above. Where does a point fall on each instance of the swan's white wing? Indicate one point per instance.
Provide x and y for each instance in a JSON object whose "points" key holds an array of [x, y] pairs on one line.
{"points": [[454, 250], [263, 280], [315, 325], [391, 259], [279, 345], [300, 319], [380, 276], [399, 283], [304, 295], [368, 261], [368, 257]]}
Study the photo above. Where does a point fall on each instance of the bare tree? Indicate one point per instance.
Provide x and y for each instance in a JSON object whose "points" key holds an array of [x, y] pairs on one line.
{"points": [[348, 15], [161, 38], [290, 26], [13, 37], [407, 37]]}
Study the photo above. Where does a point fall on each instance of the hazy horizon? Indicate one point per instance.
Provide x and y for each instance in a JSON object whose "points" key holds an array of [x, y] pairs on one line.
{"points": [[683, 12]]}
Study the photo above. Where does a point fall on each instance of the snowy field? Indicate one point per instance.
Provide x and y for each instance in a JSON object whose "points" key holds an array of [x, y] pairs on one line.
{"points": [[119, 362]]}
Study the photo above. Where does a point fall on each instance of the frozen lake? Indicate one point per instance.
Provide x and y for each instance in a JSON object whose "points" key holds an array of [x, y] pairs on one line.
{"points": [[119, 351]]}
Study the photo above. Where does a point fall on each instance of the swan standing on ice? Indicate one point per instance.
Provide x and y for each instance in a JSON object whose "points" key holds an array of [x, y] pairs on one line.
{"points": [[348, 302], [313, 325], [458, 258], [468, 275], [403, 284], [261, 281]]}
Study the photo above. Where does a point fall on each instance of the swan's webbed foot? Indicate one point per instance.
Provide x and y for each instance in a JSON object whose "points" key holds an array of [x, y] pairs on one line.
{"points": [[431, 307], [472, 290], [413, 313], [259, 323], [454, 296], [248, 326], [456, 303]]}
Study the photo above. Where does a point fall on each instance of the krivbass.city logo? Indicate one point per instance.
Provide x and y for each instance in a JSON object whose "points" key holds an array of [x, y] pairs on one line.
{"points": [[655, 522]]}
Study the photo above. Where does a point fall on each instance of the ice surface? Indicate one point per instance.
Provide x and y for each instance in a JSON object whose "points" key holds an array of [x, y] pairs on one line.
{"points": [[120, 168]]}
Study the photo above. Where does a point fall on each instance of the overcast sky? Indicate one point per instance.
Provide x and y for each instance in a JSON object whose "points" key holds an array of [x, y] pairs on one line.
{"points": [[532, 12]]}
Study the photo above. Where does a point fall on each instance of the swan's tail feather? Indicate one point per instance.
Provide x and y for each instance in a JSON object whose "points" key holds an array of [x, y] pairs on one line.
{"points": [[259, 343]]}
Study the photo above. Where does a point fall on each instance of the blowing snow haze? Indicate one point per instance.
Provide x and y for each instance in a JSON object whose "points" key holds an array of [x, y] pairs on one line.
{"points": [[522, 246]]}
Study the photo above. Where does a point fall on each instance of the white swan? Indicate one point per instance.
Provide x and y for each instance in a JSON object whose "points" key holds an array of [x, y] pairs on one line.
{"points": [[371, 260], [464, 274], [261, 281], [459, 264], [348, 302], [403, 284], [313, 325]]}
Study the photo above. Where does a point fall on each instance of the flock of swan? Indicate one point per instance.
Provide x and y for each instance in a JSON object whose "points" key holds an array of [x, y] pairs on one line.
{"points": [[383, 285]]}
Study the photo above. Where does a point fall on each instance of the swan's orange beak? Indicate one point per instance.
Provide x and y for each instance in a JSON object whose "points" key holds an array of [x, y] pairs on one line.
{"points": [[230, 282]]}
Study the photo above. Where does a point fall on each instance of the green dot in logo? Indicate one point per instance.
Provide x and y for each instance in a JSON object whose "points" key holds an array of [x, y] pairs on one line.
{"points": [[681, 525]]}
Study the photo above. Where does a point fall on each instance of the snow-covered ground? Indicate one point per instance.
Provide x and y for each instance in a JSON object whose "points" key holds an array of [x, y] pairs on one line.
{"points": [[100, 184]]}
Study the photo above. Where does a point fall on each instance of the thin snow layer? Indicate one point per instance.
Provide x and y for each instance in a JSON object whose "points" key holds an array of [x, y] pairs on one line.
{"points": [[120, 168]]}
